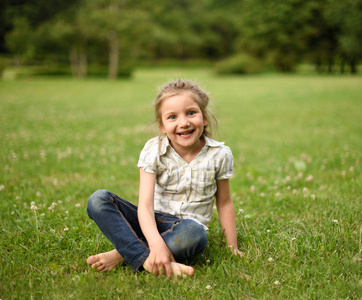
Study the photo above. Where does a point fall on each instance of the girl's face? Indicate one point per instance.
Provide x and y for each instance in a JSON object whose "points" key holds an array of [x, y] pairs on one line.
{"points": [[183, 122]]}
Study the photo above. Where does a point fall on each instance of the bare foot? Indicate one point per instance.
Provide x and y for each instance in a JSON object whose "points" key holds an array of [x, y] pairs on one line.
{"points": [[105, 261], [177, 269], [181, 270]]}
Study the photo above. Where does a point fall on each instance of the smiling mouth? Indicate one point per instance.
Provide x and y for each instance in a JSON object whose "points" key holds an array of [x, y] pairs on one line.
{"points": [[186, 132]]}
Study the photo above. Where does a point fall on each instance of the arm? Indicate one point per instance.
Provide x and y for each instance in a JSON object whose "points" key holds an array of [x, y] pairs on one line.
{"points": [[160, 256], [226, 211]]}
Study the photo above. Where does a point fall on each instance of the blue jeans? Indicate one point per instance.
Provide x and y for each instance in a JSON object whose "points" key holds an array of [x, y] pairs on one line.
{"points": [[118, 220]]}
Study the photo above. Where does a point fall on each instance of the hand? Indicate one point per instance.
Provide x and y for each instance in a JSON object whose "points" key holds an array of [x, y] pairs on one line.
{"points": [[236, 252], [159, 260]]}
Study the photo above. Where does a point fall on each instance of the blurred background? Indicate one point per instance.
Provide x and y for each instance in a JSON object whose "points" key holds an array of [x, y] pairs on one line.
{"points": [[110, 38]]}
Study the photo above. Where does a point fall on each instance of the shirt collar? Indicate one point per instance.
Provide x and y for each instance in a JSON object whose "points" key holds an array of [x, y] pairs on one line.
{"points": [[165, 143]]}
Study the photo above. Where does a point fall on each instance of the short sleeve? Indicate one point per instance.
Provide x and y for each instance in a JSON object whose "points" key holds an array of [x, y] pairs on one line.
{"points": [[226, 163], [149, 156]]}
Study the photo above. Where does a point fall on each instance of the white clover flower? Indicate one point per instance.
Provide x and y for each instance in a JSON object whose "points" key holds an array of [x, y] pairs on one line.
{"points": [[52, 231], [209, 287], [305, 190], [293, 239], [270, 259], [241, 210], [356, 260], [309, 178], [276, 282], [252, 189], [278, 195], [66, 229], [67, 212], [2, 187], [77, 205], [262, 194], [268, 231], [42, 215], [313, 196], [335, 221]]}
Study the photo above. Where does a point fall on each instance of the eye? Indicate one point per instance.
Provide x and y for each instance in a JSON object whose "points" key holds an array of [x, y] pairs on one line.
{"points": [[191, 113], [172, 117]]}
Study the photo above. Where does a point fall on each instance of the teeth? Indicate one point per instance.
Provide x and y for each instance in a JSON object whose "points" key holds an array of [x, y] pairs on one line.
{"points": [[186, 133]]}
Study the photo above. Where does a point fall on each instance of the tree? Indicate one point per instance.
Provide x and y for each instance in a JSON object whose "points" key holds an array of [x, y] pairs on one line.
{"points": [[20, 40], [277, 30], [120, 23], [347, 16]]}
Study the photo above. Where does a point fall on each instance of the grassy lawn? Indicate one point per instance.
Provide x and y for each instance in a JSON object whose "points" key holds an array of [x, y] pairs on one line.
{"points": [[297, 143]]}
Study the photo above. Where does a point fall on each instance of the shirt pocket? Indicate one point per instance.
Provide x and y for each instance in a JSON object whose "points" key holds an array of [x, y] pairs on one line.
{"points": [[204, 179], [169, 180]]}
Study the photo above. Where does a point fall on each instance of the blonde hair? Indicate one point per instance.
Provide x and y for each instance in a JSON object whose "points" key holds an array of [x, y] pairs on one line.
{"points": [[180, 87]]}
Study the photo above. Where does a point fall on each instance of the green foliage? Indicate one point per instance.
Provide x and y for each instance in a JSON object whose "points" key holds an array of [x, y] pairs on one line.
{"points": [[347, 16], [3, 64], [94, 70], [282, 32], [296, 189], [241, 63]]}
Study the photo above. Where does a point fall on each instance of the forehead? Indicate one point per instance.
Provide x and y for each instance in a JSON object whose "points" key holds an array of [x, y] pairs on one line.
{"points": [[179, 101]]}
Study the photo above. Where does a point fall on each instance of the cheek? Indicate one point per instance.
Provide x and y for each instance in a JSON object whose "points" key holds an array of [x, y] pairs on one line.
{"points": [[162, 127]]}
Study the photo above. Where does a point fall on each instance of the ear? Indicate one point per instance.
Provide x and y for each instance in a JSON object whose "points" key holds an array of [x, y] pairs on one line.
{"points": [[206, 118]]}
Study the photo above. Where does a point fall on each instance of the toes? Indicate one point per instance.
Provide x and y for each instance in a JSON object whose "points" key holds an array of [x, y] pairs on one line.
{"points": [[98, 266], [90, 260], [191, 271]]}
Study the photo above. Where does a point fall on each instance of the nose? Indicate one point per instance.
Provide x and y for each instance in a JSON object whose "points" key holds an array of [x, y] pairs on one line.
{"points": [[184, 122]]}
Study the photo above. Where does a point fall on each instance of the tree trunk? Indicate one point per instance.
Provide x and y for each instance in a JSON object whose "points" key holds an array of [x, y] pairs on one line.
{"points": [[318, 65], [73, 56], [83, 65], [353, 66], [330, 65], [113, 56], [342, 66]]}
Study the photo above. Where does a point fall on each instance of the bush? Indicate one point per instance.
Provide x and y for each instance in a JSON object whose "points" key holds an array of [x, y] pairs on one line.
{"points": [[3, 63], [93, 70], [241, 63]]}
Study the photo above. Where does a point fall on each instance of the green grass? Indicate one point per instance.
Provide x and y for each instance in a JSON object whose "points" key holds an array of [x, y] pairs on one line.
{"points": [[297, 144]]}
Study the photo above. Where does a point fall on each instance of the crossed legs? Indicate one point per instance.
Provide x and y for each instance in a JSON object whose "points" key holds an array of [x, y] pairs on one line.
{"points": [[118, 220]]}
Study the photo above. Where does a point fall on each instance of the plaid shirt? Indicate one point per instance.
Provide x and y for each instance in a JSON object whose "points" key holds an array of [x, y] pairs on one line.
{"points": [[186, 190]]}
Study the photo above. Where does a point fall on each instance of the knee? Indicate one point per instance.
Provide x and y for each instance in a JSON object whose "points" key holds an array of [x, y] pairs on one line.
{"points": [[96, 201], [198, 234], [190, 239]]}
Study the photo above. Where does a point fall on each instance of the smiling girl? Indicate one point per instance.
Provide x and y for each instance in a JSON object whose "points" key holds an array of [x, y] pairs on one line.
{"points": [[182, 172]]}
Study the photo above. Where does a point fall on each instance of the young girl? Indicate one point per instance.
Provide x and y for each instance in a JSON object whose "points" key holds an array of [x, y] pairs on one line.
{"points": [[181, 173]]}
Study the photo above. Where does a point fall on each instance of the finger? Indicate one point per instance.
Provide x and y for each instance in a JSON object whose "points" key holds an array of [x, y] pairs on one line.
{"points": [[151, 267], [168, 270]]}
